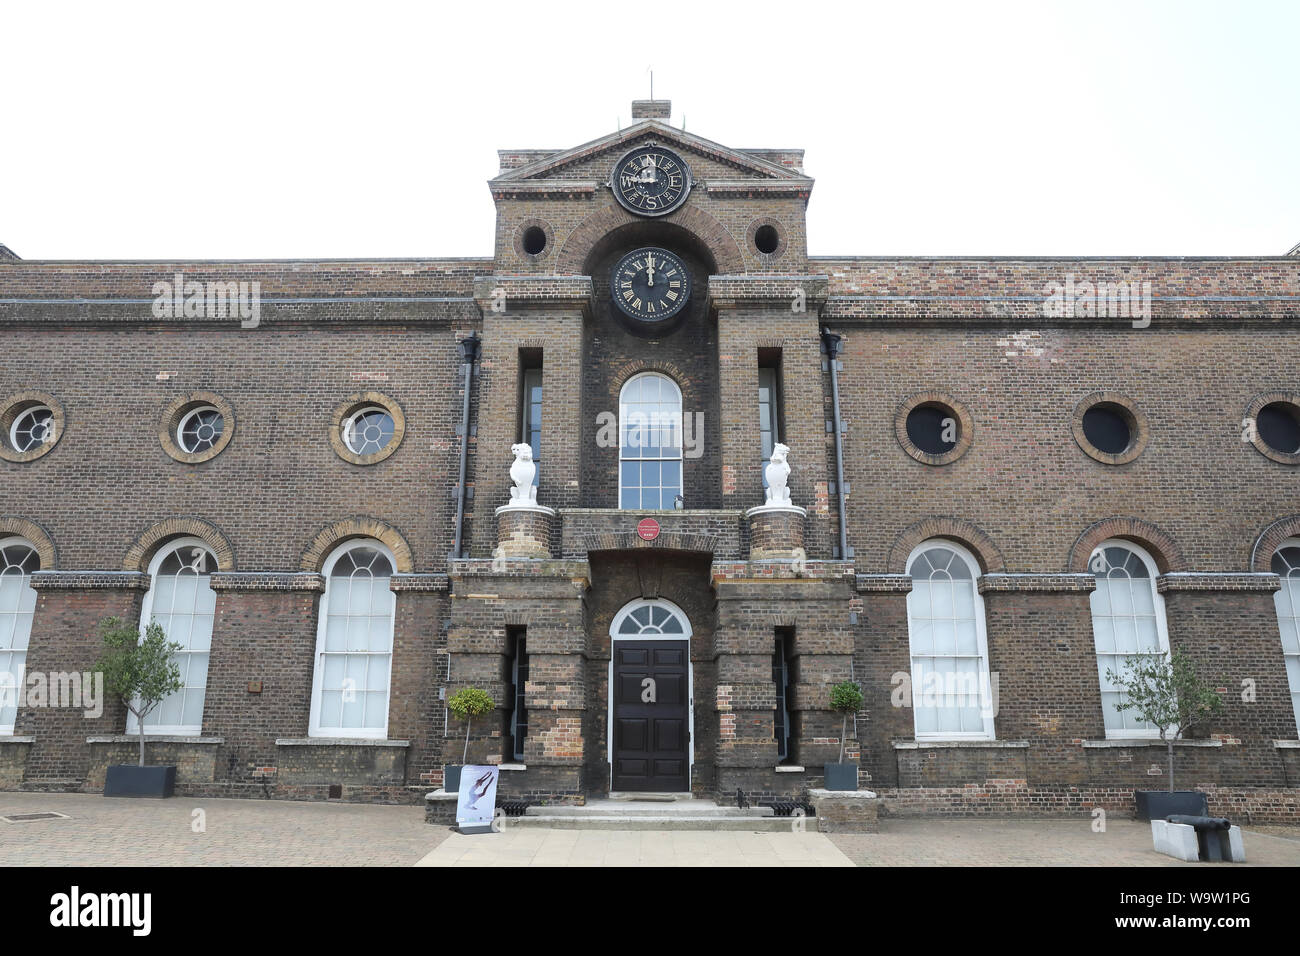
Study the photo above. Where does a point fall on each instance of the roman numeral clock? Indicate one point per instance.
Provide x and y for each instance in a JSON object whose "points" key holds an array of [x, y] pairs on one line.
{"points": [[650, 285]]}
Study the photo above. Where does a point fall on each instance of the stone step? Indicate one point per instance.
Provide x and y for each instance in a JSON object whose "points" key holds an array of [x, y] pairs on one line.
{"points": [[628, 795], [677, 809], [664, 822]]}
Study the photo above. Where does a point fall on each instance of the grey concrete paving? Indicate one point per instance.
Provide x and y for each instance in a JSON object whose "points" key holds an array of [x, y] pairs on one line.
{"points": [[107, 832]]}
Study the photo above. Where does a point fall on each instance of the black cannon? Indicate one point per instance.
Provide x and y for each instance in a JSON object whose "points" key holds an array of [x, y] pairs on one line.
{"points": [[1212, 835]]}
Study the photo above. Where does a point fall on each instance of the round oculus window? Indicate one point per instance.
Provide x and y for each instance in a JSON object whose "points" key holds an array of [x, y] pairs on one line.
{"points": [[933, 428], [32, 428], [1109, 428], [368, 430], [200, 429], [1278, 427]]}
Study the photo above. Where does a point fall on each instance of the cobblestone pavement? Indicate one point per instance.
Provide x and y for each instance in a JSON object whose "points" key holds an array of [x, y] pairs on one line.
{"points": [[1040, 843], [103, 831], [106, 832]]}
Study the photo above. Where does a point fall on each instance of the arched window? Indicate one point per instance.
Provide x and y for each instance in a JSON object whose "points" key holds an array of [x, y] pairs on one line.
{"points": [[1286, 563], [651, 618], [18, 559], [650, 442], [354, 643], [952, 693], [182, 601], [1128, 620]]}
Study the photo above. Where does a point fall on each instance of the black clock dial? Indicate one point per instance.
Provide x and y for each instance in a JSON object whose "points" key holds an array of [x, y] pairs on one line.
{"points": [[650, 285], [651, 181]]}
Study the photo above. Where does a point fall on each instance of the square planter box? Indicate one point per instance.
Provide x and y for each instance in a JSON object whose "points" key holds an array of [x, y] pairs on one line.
{"points": [[1158, 804], [130, 780], [841, 776]]}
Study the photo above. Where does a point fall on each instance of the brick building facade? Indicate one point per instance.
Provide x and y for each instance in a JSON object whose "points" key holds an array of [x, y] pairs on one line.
{"points": [[996, 477]]}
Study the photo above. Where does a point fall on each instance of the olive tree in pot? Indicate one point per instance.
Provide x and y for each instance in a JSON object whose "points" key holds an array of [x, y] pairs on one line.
{"points": [[1166, 692], [465, 704], [846, 698], [141, 672]]}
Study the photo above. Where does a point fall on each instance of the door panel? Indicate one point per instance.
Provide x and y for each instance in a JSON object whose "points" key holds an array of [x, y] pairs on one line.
{"points": [[651, 743]]}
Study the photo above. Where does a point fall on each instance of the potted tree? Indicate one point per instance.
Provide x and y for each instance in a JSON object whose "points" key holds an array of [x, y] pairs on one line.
{"points": [[846, 698], [465, 704], [140, 672], [1166, 692]]}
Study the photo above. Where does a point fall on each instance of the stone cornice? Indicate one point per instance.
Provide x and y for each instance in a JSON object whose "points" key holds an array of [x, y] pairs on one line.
{"points": [[758, 188], [90, 580], [1218, 581], [545, 189], [503, 294], [768, 289], [267, 581]]}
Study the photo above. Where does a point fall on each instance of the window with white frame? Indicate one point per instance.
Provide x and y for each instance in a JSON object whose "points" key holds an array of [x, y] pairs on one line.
{"points": [[952, 693], [182, 602], [1286, 564], [1128, 620], [354, 643], [18, 559], [769, 414], [650, 442]]}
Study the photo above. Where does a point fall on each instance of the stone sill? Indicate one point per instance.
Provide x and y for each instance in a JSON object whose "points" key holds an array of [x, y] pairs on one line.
{"points": [[512, 766], [154, 739], [1149, 742], [1278, 744], [845, 794], [11, 739], [957, 744], [789, 768], [435, 796], [339, 742]]}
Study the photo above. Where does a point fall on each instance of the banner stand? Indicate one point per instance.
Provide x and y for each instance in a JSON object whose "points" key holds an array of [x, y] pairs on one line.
{"points": [[477, 799]]}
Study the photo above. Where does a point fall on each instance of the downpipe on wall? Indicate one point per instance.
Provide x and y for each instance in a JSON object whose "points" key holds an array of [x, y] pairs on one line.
{"points": [[832, 343], [468, 354]]}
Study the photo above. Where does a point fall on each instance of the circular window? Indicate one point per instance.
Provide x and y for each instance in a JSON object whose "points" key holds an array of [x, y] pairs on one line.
{"points": [[534, 240], [933, 428], [1279, 427], [368, 431], [766, 238], [367, 428], [31, 423], [1272, 425], [32, 427], [196, 427], [1109, 428], [200, 429]]}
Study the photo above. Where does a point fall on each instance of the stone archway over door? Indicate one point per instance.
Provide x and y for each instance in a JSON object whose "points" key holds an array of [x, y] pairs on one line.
{"points": [[651, 715]]}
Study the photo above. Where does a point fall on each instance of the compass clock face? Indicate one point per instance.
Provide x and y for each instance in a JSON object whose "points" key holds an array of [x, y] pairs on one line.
{"points": [[651, 181], [650, 284]]}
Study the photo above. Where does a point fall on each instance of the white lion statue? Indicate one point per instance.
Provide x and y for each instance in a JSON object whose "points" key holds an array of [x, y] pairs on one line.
{"points": [[522, 472], [777, 473]]}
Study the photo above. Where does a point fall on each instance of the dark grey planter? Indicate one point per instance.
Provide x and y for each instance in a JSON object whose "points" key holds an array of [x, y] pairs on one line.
{"points": [[841, 776], [1158, 804], [132, 780], [451, 777]]}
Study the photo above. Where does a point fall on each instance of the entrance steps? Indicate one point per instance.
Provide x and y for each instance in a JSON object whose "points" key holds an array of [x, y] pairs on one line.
{"points": [[635, 812]]}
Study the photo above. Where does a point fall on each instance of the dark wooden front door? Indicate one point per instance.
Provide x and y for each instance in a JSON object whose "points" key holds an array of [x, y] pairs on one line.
{"points": [[651, 738]]}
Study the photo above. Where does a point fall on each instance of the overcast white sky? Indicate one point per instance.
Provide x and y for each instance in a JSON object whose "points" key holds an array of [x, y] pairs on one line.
{"points": [[276, 130]]}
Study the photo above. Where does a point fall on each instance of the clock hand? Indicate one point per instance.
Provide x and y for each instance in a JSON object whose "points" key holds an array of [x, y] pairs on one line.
{"points": [[650, 270]]}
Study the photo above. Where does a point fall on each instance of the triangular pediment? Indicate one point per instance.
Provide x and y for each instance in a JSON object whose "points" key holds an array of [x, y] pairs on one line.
{"points": [[594, 160]]}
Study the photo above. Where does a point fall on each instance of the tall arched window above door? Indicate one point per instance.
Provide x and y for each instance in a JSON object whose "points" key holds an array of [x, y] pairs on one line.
{"points": [[354, 643], [18, 559], [182, 601], [1286, 564], [650, 442], [952, 694], [1128, 620]]}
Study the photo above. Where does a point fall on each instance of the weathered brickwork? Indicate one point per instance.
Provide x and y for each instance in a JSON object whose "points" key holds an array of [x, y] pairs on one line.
{"points": [[1020, 490]]}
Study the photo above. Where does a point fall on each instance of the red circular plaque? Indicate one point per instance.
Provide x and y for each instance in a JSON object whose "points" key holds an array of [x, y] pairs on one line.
{"points": [[648, 529]]}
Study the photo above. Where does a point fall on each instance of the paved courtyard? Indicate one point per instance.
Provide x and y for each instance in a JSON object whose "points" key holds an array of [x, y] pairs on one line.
{"points": [[106, 832]]}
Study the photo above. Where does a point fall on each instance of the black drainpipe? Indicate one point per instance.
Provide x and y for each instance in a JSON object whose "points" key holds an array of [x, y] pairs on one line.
{"points": [[468, 353], [832, 344]]}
